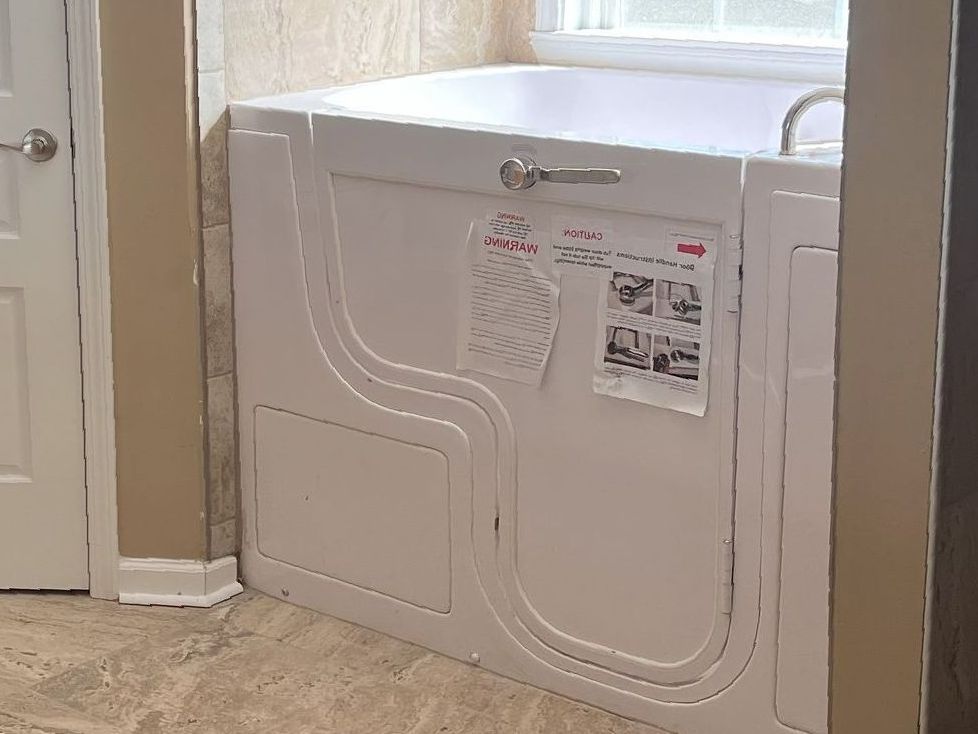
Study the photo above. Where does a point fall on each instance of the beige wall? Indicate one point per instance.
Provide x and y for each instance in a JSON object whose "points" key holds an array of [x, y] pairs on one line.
{"points": [[154, 244], [893, 195]]}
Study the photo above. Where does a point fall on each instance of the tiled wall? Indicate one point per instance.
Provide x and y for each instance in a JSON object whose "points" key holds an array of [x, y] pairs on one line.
{"points": [[249, 48], [275, 46], [222, 476]]}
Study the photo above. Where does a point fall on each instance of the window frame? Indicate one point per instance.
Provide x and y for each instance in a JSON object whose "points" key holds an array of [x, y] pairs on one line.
{"points": [[555, 43]]}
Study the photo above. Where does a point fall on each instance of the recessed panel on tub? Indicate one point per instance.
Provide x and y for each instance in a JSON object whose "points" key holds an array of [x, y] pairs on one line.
{"points": [[15, 426], [612, 535], [357, 507], [803, 624], [802, 284]]}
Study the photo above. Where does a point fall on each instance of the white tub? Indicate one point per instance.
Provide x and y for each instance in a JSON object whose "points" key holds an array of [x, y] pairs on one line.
{"points": [[582, 543]]}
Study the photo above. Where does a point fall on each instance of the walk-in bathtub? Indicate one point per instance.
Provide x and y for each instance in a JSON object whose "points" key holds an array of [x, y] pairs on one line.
{"points": [[652, 544]]}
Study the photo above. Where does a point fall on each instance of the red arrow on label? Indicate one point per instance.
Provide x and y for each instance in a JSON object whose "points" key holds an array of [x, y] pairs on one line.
{"points": [[689, 249]]}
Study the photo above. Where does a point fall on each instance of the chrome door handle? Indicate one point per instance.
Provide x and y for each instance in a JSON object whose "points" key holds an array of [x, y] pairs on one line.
{"points": [[522, 172], [38, 145]]}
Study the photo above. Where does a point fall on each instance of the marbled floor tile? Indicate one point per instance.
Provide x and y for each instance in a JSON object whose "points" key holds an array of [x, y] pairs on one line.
{"points": [[484, 693], [257, 664], [42, 635], [24, 711], [203, 682], [394, 686], [503, 706], [595, 723], [302, 628], [367, 652], [556, 715], [352, 650], [385, 707]]}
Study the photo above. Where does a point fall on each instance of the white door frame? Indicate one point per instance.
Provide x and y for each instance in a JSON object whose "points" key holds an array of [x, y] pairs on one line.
{"points": [[91, 225]]}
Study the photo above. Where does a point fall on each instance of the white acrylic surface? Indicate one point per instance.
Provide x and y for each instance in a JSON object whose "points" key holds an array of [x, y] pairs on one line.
{"points": [[366, 509], [636, 513], [600, 105], [803, 626], [607, 577], [378, 150], [781, 216]]}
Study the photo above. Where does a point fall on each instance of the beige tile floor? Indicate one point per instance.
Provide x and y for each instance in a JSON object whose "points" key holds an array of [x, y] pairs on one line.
{"points": [[73, 665]]}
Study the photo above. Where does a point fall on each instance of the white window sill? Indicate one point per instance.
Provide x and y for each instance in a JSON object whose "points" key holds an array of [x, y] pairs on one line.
{"points": [[787, 62]]}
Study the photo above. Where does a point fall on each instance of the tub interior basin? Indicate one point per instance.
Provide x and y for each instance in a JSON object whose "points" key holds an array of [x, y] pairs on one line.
{"points": [[600, 105]]}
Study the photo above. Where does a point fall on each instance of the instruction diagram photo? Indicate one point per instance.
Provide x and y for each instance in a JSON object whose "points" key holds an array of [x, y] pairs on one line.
{"points": [[655, 318], [630, 292], [678, 301], [676, 357], [628, 347]]}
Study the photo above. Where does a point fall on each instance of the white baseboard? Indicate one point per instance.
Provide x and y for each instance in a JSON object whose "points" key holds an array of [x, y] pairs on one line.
{"points": [[174, 583]]}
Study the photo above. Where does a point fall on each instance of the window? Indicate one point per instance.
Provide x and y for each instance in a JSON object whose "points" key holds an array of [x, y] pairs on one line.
{"points": [[801, 40], [795, 21]]}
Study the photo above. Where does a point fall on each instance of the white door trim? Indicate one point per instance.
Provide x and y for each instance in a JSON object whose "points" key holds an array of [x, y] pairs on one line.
{"points": [[91, 224], [174, 583]]}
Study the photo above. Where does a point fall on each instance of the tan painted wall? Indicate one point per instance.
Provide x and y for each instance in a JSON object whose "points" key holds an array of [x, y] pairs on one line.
{"points": [[154, 239], [893, 192]]}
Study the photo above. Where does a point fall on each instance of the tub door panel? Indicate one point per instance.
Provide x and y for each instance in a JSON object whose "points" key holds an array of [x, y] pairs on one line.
{"points": [[604, 546], [787, 388], [341, 497]]}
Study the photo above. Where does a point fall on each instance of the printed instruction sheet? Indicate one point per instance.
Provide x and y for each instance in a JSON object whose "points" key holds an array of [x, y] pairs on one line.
{"points": [[582, 246], [654, 321], [509, 299]]}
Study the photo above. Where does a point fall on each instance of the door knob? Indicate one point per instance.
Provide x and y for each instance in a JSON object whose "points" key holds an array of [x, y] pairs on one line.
{"points": [[522, 172], [38, 145]]}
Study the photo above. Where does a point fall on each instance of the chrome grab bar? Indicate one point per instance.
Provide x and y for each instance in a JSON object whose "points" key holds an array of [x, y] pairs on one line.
{"points": [[522, 172], [789, 128]]}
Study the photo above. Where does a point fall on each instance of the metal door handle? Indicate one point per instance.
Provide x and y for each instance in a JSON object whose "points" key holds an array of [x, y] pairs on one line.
{"points": [[38, 145], [522, 172]]}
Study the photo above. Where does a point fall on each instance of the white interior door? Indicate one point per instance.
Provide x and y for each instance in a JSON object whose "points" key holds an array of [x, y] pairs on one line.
{"points": [[43, 527]]}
